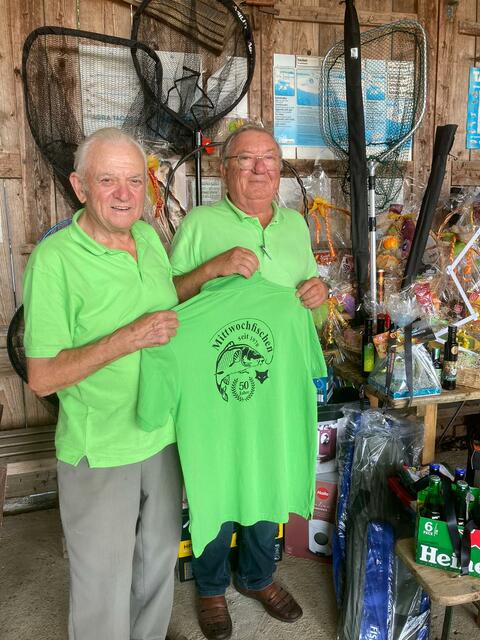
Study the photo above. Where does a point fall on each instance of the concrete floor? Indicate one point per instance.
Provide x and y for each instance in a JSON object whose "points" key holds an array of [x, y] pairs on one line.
{"points": [[34, 593]]}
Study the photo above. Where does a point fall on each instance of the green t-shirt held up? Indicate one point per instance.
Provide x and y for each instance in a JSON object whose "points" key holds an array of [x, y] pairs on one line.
{"points": [[237, 379], [283, 248], [77, 291]]}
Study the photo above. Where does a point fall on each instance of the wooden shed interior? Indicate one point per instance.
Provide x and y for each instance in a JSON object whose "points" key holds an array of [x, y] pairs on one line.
{"points": [[30, 202]]}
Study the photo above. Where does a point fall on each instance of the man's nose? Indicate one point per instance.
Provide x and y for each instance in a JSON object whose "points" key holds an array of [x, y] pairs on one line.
{"points": [[259, 166], [122, 192]]}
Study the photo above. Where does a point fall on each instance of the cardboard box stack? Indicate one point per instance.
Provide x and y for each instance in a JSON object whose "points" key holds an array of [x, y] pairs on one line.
{"points": [[313, 538]]}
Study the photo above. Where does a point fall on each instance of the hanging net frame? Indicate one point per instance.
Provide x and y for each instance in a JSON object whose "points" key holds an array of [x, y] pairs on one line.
{"points": [[76, 82], [16, 330], [394, 85], [207, 55]]}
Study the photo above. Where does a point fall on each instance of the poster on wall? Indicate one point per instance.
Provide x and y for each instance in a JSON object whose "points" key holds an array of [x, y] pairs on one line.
{"points": [[473, 109], [104, 94], [297, 103], [296, 106]]}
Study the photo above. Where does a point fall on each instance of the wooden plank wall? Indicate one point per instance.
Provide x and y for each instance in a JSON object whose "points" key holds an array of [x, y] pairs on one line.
{"points": [[30, 202]]}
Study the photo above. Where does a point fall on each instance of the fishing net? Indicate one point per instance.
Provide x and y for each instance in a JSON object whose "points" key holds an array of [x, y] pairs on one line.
{"points": [[16, 328], [393, 80], [207, 55], [76, 82]]}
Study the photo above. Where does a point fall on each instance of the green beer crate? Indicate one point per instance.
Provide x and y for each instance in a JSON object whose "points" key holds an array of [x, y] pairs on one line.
{"points": [[433, 545]]}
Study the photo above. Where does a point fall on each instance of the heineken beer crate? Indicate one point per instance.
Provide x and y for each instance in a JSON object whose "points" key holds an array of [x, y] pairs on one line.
{"points": [[433, 544]]}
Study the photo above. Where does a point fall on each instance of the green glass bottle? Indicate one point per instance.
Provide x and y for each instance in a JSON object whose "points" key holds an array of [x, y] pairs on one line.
{"points": [[368, 348], [461, 502], [475, 511], [433, 506]]}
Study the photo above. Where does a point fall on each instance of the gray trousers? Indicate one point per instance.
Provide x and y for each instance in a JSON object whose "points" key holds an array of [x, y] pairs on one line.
{"points": [[122, 526]]}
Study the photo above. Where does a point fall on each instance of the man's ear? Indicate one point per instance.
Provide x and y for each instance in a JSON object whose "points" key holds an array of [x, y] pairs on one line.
{"points": [[78, 187], [222, 170]]}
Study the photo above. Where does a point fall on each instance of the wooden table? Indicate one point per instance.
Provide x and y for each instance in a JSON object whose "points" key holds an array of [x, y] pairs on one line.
{"points": [[426, 406], [444, 587]]}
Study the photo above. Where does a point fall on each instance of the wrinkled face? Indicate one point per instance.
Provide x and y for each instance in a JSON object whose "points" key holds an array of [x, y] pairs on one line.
{"points": [[258, 183], [113, 188]]}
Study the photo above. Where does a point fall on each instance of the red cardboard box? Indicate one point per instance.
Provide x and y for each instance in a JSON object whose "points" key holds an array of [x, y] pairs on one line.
{"points": [[313, 538]]}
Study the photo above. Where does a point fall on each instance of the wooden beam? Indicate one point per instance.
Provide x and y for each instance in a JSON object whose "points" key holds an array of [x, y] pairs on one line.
{"points": [[20, 445], [333, 168], [465, 173], [10, 165], [336, 16], [260, 3], [466, 28]]}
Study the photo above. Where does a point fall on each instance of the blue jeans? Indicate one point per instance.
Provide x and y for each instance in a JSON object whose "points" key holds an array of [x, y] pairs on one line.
{"points": [[256, 564]]}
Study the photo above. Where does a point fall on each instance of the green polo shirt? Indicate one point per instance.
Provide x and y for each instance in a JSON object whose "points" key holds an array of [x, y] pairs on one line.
{"points": [[77, 291], [283, 248]]}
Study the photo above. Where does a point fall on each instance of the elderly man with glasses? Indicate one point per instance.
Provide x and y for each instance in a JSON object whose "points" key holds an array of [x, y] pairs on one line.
{"points": [[243, 233]]}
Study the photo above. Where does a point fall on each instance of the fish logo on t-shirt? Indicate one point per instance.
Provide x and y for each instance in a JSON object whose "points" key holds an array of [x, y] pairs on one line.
{"points": [[245, 352], [235, 359]]}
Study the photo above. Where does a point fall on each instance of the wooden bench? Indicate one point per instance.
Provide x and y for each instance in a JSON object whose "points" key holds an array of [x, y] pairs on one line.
{"points": [[27, 457], [444, 587]]}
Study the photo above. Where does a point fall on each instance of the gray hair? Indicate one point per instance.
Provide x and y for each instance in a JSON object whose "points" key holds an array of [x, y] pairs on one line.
{"points": [[107, 134], [227, 145]]}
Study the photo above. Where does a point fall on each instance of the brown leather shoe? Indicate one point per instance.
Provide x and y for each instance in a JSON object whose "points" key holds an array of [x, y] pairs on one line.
{"points": [[276, 601], [213, 617]]}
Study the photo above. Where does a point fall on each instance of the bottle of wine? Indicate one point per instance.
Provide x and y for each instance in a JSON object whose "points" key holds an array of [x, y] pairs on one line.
{"points": [[436, 354], [368, 348], [450, 355]]}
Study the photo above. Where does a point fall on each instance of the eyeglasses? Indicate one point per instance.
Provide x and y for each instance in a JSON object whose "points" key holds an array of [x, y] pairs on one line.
{"points": [[247, 162]]}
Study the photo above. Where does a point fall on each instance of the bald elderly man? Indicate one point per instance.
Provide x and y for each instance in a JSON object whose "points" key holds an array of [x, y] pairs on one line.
{"points": [[95, 294]]}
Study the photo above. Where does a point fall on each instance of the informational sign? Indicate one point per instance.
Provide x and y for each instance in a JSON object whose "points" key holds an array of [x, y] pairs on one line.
{"points": [[473, 109], [297, 104], [212, 191]]}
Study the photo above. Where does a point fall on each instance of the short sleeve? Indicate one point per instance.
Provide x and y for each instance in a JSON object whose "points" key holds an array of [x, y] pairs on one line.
{"points": [[47, 317], [311, 268], [158, 391], [152, 237], [182, 253]]}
